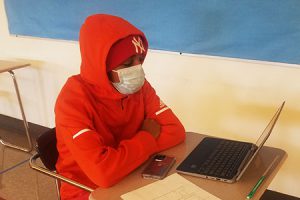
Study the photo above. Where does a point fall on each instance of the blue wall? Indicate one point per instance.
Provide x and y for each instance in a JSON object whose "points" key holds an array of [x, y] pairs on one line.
{"points": [[266, 30]]}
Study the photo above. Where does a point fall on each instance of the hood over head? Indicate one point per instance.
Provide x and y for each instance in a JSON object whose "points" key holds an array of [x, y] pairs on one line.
{"points": [[98, 34]]}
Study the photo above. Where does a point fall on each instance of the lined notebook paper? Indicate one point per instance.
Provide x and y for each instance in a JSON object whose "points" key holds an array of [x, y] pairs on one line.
{"points": [[173, 187]]}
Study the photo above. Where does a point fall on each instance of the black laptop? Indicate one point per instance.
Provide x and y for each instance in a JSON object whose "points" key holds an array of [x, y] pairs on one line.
{"points": [[223, 159]]}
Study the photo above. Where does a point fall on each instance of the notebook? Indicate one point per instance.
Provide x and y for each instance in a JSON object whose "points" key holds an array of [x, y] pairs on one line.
{"points": [[222, 159]]}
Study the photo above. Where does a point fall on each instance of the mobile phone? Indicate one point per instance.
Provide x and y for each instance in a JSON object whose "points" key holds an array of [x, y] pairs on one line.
{"points": [[158, 167]]}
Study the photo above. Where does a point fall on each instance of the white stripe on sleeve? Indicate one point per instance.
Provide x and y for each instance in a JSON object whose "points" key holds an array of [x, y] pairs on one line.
{"points": [[80, 132], [162, 110]]}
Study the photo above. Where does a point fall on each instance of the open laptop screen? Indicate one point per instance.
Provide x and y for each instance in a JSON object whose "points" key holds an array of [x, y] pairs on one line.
{"points": [[262, 139]]}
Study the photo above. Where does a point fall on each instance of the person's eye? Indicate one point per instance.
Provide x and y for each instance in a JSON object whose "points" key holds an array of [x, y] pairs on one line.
{"points": [[127, 64], [141, 59]]}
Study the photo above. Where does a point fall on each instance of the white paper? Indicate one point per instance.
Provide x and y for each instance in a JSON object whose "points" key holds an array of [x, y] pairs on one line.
{"points": [[173, 187]]}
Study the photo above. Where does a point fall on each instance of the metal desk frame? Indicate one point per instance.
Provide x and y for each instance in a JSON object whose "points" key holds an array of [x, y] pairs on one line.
{"points": [[9, 66]]}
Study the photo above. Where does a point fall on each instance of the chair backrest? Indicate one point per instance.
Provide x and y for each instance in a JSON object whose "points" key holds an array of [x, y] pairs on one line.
{"points": [[46, 148]]}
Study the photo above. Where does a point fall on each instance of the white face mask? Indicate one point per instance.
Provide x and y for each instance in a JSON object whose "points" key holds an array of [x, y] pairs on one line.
{"points": [[131, 79]]}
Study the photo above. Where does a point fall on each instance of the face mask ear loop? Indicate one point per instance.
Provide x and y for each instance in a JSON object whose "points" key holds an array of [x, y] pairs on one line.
{"points": [[116, 71]]}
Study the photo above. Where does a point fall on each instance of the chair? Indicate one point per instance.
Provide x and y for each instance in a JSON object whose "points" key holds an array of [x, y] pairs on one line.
{"points": [[48, 154]]}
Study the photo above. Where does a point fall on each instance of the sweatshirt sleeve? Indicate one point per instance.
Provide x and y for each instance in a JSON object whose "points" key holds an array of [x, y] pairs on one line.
{"points": [[172, 131], [103, 163]]}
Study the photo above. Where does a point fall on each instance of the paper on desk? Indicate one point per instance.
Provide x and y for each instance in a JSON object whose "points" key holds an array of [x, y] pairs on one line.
{"points": [[173, 187]]}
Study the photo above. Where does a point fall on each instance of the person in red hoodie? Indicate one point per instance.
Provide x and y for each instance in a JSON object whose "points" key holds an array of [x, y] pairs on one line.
{"points": [[109, 120]]}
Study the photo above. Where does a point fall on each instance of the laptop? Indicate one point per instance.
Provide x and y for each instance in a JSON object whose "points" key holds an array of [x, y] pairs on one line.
{"points": [[222, 159]]}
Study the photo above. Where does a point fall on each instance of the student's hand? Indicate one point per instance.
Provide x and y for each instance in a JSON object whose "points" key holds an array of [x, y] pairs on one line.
{"points": [[151, 126]]}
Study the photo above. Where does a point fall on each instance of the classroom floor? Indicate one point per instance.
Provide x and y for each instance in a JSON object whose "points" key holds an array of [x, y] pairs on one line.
{"points": [[17, 180]]}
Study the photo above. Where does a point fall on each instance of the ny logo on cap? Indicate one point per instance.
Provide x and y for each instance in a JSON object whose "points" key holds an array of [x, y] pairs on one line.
{"points": [[138, 44]]}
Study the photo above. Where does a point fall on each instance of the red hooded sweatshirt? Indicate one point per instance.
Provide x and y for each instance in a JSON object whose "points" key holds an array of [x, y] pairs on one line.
{"points": [[99, 136]]}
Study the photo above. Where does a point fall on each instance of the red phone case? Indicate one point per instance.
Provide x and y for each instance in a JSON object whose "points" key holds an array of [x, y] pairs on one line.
{"points": [[158, 167]]}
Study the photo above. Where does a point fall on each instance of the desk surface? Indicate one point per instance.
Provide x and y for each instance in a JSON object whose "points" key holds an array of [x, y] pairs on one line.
{"points": [[225, 191], [6, 66]]}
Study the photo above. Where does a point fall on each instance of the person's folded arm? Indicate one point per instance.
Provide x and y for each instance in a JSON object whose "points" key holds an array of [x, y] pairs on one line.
{"points": [[103, 164], [172, 131]]}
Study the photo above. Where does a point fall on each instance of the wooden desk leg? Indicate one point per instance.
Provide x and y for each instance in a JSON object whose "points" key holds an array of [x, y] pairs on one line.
{"points": [[23, 117]]}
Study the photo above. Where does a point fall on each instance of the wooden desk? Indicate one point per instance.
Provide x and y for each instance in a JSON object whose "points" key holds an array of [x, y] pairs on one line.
{"points": [[225, 191], [9, 66]]}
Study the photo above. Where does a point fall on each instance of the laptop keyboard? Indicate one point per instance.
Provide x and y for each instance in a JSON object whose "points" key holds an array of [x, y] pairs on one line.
{"points": [[224, 161]]}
